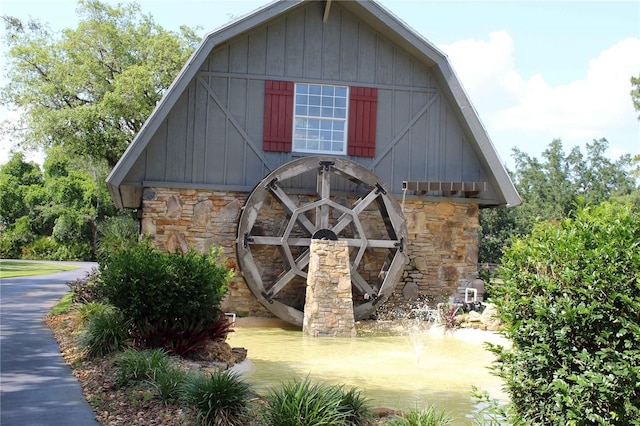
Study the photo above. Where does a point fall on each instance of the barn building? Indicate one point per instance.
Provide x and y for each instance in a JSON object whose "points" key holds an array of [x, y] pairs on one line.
{"points": [[317, 119]]}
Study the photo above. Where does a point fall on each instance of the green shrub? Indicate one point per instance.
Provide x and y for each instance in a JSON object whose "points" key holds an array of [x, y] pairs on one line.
{"points": [[303, 403], [155, 367], [169, 381], [152, 287], [42, 247], [88, 311], [15, 237], [107, 331], [428, 416], [88, 289], [116, 233], [355, 407], [218, 399], [137, 366], [570, 304]]}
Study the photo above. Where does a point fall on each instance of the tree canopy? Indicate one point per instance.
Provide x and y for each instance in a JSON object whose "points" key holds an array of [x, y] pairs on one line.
{"points": [[553, 187], [635, 93], [90, 89], [51, 214]]}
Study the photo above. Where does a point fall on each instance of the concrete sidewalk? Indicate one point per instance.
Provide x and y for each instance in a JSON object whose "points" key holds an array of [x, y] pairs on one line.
{"points": [[36, 385]]}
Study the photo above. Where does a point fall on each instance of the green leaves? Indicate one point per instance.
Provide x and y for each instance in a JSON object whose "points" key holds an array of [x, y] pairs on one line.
{"points": [[304, 403], [149, 286], [570, 304], [552, 188], [90, 89]]}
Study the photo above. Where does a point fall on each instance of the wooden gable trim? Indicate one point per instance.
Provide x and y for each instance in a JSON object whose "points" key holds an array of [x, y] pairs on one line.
{"points": [[327, 7], [466, 189]]}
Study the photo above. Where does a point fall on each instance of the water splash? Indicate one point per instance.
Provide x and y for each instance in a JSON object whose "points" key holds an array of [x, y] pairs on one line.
{"points": [[412, 320]]}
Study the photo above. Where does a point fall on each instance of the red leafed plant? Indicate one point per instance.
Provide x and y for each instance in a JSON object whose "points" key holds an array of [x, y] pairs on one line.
{"points": [[182, 337]]}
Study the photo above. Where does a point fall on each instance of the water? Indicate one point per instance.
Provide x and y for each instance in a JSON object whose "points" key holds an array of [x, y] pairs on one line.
{"points": [[402, 369]]}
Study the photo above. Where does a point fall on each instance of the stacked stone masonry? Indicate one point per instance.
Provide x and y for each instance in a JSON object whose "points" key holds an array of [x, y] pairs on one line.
{"points": [[442, 240], [328, 310]]}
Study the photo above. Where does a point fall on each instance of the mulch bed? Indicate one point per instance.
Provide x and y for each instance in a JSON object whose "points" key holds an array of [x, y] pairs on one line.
{"points": [[113, 405]]}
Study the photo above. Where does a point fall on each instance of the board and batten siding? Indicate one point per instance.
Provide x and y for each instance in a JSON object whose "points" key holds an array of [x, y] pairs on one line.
{"points": [[214, 133]]}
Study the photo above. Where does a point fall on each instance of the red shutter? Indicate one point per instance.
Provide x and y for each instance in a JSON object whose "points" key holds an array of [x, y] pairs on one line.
{"points": [[363, 103], [278, 116]]}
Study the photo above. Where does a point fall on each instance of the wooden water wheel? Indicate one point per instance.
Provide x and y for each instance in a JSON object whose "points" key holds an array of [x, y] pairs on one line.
{"points": [[342, 200]]}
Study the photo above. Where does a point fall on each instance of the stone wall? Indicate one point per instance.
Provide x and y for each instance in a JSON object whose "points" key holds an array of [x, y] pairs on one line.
{"points": [[179, 219], [442, 248], [442, 240]]}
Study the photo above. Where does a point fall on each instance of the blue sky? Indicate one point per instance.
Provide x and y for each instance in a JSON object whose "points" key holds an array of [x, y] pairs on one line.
{"points": [[534, 70]]}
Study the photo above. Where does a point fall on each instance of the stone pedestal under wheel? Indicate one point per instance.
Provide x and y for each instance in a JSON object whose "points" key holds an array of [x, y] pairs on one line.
{"points": [[320, 197]]}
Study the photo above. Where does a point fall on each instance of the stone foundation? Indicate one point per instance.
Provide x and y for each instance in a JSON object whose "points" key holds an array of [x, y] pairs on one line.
{"points": [[328, 310], [442, 241]]}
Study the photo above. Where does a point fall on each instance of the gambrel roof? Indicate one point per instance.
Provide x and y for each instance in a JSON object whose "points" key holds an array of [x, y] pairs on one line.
{"points": [[127, 190]]}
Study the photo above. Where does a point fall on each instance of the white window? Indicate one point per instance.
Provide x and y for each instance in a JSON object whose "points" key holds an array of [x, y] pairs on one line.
{"points": [[320, 118]]}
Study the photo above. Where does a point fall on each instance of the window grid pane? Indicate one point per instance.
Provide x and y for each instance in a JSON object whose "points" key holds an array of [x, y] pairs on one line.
{"points": [[320, 118]]}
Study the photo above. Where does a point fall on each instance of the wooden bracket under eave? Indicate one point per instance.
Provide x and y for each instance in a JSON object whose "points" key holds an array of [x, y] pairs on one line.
{"points": [[327, 6]]}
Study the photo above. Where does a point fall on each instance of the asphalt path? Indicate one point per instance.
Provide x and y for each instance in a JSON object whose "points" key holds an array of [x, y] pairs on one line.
{"points": [[36, 385]]}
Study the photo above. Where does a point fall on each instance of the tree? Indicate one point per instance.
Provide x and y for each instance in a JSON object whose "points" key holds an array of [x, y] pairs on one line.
{"points": [[91, 89], [635, 98], [552, 189], [51, 215], [16, 178], [635, 93], [569, 305], [546, 187]]}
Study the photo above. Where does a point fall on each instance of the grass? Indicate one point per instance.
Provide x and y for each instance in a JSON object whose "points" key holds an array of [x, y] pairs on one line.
{"points": [[303, 403], [63, 306], [428, 416], [17, 268]]}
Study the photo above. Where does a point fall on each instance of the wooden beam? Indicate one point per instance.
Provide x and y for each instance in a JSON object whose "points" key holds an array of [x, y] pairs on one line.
{"points": [[468, 189], [327, 6]]}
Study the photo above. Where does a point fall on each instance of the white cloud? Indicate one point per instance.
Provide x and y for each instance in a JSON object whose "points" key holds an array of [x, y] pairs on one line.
{"points": [[531, 112], [486, 68]]}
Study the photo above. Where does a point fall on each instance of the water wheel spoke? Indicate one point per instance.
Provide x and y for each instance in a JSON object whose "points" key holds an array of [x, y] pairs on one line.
{"points": [[268, 241], [360, 253], [301, 262], [390, 244], [362, 284], [290, 207], [345, 219], [323, 186]]}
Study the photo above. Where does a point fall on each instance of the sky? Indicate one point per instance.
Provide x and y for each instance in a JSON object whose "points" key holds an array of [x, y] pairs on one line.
{"points": [[534, 70]]}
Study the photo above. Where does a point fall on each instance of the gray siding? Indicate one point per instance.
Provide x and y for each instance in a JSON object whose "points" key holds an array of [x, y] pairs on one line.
{"points": [[213, 134]]}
